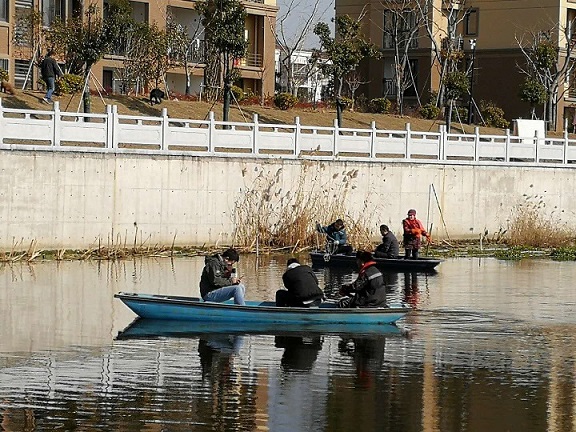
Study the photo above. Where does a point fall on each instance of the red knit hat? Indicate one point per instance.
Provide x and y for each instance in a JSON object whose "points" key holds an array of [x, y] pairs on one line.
{"points": [[411, 212]]}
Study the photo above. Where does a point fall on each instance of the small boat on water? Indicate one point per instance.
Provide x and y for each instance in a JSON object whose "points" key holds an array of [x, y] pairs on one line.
{"points": [[424, 264], [142, 328], [164, 307]]}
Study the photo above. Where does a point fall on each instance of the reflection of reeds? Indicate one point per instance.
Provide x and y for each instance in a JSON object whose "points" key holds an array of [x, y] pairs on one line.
{"points": [[278, 216], [531, 226]]}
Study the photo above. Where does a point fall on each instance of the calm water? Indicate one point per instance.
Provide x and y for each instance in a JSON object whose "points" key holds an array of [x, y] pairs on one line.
{"points": [[490, 348]]}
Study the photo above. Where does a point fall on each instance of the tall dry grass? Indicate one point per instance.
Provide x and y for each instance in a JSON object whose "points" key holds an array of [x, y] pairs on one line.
{"points": [[271, 214], [532, 225]]}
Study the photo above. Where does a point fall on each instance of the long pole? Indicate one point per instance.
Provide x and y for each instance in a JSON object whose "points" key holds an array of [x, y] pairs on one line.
{"points": [[471, 99]]}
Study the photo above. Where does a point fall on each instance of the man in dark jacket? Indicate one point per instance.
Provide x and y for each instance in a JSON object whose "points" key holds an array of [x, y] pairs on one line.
{"points": [[368, 290], [389, 247], [218, 282], [49, 70], [301, 284]]}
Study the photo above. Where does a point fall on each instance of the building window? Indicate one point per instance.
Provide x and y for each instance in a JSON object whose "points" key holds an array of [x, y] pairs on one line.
{"points": [[4, 64], [4, 10], [471, 23], [53, 9], [399, 28]]}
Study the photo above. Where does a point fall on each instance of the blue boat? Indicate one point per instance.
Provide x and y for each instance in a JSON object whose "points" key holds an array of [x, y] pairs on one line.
{"points": [[422, 264], [164, 307], [150, 328]]}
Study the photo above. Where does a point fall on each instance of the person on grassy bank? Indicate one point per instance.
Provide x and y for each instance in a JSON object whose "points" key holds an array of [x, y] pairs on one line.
{"points": [[50, 71]]}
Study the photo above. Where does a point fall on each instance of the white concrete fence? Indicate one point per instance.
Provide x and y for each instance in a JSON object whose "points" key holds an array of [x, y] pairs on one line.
{"points": [[56, 130]]}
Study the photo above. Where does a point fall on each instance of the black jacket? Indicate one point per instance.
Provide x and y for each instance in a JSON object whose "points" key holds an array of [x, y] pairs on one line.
{"points": [[215, 274], [389, 247], [302, 283], [369, 289], [49, 68]]}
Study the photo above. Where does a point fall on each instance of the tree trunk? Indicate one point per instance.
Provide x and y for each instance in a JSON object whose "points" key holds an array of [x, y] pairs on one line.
{"points": [[86, 100], [226, 105]]}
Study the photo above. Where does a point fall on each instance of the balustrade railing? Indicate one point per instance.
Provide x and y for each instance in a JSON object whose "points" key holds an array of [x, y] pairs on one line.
{"points": [[56, 130]]}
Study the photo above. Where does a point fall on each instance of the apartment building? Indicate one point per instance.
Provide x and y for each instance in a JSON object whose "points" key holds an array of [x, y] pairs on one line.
{"points": [[488, 33], [256, 69]]}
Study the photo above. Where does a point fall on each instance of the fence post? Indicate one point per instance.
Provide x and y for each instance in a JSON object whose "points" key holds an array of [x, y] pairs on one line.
{"points": [[372, 139], [2, 125], [255, 132], [536, 147], [115, 127], [336, 134], [507, 150], [164, 144], [56, 124], [211, 128], [564, 145], [297, 137], [109, 126], [476, 143], [408, 151]]}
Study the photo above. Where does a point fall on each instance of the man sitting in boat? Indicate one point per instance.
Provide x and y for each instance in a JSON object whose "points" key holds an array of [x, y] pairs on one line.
{"points": [[389, 247], [218, 282], [368, 290], [336, 238], [301, 284]]}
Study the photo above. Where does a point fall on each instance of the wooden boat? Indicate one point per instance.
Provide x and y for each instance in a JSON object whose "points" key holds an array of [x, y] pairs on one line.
{"points": [[165, 307], [424, 264], [151, 328]]}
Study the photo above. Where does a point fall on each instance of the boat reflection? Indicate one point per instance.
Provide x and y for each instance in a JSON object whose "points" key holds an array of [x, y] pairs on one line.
{"points": [[148, 328]]}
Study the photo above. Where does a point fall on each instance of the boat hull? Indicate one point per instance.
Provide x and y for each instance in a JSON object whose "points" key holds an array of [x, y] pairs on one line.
{"points": [[162, 307], [321, 259]]}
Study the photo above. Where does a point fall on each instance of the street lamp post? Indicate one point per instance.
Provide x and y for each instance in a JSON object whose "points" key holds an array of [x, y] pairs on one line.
{"points": [[471, 98]]}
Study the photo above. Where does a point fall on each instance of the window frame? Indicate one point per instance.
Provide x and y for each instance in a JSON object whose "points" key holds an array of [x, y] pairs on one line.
{"points": [[472, 20]]}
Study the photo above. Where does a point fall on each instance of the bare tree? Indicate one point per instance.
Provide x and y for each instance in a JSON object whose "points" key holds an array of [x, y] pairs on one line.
{"points": [[291, 42], [549, 64], [354, 81]]}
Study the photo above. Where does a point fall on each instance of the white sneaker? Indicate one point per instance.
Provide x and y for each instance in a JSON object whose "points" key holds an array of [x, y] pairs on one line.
{"points": [[45, 100]]}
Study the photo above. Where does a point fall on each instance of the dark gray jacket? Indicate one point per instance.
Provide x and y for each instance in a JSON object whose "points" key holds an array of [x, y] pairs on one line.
{"points": [[389, 247], [215, 274]]}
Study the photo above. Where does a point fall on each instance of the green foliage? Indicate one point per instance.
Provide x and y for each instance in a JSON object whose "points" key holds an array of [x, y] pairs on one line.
{"points": [[545, 54], [238, 93], [514, 253], [533, 92], [456, 84], [430, 111], [563, 254], [285, 101], [4, 75], [345, 102], [69, 83], [380, 105], [493, 115]]}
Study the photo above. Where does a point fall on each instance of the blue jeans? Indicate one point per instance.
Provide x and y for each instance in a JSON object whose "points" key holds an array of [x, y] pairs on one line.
{"points": [[226, 293], [50, 86]]}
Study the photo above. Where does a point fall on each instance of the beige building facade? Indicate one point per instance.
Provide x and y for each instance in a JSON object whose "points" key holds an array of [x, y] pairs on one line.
{"points": [[494, 26], [256, 69]]}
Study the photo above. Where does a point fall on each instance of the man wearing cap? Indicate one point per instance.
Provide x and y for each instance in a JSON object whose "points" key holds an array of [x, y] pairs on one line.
{"points": [[413, 232]]}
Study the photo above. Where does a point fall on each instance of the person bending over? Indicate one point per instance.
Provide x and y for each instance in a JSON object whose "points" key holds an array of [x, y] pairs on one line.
{"points": [[218, 282], [336, 238], [389, 247], [368, 290], [301, 284]]}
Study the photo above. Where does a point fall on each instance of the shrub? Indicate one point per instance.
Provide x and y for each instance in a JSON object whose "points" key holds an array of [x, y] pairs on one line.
{"points": [[380, 105], [69, 83], [429, 111], [493, 116], [238, 93], [346, 102], [285, 101], [4, 75]]}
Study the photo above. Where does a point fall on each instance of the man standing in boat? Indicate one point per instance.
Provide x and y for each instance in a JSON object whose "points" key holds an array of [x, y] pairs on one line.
{"points": [[336, 238], [301, 284], [368, 290], [218, 282], [413, 232], [389, 247]]}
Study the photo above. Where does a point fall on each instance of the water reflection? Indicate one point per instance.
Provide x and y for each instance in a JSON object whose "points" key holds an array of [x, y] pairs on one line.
{"points": [[300, 352]]}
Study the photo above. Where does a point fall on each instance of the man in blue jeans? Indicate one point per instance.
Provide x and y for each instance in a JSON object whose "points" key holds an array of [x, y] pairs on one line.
{"points": [[49, 70], [218, 282]]}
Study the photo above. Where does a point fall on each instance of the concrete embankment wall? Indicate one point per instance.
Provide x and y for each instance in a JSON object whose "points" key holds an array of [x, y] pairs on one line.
{"points": [[80, 200]]}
